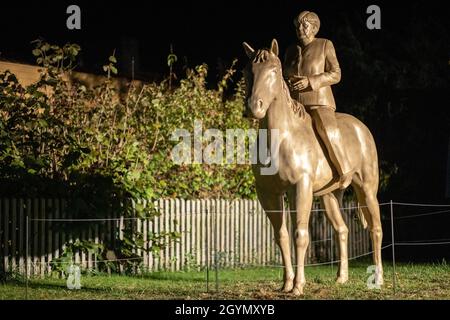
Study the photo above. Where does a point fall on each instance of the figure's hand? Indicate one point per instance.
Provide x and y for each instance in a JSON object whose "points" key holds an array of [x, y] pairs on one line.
{"points": [[300, 84]]}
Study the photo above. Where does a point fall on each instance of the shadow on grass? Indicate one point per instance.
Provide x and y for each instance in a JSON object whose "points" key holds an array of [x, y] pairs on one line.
{"points": [[108, 284], [56, 286], [105, 292], [191, 277]]}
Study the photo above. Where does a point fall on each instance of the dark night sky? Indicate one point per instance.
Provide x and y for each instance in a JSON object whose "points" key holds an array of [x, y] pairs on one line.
{"points": [[199, 31]]}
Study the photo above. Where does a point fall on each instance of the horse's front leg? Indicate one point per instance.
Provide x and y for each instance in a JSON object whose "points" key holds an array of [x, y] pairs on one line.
{"points": [[304, 200], [274, 209]]}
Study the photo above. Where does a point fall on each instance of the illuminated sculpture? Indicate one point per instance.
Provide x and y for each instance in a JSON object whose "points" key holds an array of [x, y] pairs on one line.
{"points": [[305, 166]]}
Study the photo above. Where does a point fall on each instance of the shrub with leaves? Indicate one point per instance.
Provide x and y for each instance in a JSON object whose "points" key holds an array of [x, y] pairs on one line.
{"points": [[59, 138]]}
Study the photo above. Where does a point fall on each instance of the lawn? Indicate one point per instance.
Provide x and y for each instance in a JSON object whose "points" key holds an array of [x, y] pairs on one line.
{"points": [[414, 281]]}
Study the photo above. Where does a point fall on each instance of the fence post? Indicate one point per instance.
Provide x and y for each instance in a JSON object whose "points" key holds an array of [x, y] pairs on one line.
{"points": [[393, 248], [6, 235], [215, 247], [26, 254], [331, 247], [207, 250]]}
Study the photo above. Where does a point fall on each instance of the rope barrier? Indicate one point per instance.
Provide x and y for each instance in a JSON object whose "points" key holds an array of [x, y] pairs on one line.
{"points": [[421, 204], [36, 263], [409, 243], [31, 262], [322, 210], [90, 220], [421, 215], [320, 263], [403, 243], [149, 218], [430, 240], [324, 240], [419, 243]]}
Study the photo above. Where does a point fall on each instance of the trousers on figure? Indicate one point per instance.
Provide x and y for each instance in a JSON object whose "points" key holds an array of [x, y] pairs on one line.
{"points": [[325, 122]]}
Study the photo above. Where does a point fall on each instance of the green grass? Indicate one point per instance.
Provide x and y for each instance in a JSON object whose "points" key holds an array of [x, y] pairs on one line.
{"points": [[414, 281]]}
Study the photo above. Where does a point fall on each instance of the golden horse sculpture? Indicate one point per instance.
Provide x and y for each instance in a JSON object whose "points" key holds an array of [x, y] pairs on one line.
{"points": [[305, 170]]}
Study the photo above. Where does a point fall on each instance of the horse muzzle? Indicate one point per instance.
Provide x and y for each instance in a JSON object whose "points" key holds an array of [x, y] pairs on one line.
{"points": [[257, 107]]}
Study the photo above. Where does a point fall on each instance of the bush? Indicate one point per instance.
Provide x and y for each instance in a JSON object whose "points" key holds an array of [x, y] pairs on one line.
{"points": [[59, 138], [56, 132]]}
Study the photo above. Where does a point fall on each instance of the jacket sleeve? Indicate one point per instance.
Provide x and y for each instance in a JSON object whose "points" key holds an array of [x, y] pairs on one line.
{"points": [[332, 74]]}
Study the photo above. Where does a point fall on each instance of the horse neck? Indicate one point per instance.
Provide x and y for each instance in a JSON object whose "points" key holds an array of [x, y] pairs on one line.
{"points": [[280, 114]]}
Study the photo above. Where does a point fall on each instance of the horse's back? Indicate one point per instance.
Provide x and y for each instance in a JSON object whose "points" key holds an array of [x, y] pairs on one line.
{"points": [[360, 144], [348, 122]]}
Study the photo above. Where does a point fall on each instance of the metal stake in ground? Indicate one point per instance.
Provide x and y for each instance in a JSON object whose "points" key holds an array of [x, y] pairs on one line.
{"points": [[207, 251], [393, 247], [215, 252], [26, 262], [331, 247]]}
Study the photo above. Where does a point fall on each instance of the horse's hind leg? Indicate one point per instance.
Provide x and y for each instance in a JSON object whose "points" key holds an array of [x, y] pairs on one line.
{"points": [[367, 198], [273, 205], [333, 212]]}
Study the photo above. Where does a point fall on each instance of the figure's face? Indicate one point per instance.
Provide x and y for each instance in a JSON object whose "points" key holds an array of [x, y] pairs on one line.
{"points": [[305, 30]]}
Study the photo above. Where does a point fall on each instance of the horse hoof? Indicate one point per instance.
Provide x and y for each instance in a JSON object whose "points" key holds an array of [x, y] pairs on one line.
{"points": [[341, 279], [297, 291], [379, 281], [287, 287]]}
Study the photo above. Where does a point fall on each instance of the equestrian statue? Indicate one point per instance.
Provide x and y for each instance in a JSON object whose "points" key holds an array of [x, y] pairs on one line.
{"points": [[320, 152]]}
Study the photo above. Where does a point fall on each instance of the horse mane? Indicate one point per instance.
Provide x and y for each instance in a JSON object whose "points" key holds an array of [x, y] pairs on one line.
{"points": [[297, 107], [263, 55]]}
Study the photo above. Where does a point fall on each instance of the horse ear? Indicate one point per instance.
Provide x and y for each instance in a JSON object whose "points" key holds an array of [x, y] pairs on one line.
{"points": [[274, 47], [248, 50]]}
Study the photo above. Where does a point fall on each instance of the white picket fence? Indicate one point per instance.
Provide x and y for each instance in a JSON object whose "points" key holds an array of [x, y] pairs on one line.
{"points": [[227, 233]]}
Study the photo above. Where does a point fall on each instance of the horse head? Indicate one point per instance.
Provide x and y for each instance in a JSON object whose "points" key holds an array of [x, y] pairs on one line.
{"points": [[263, 78]]}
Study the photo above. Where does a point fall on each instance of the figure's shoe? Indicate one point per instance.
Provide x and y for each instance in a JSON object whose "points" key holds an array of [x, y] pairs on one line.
{"points": [[345, 180]]}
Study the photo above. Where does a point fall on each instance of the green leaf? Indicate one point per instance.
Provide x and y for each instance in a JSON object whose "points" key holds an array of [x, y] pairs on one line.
{"points": [[171, 59], [74, 49], [45, 47], [43, 123]]}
